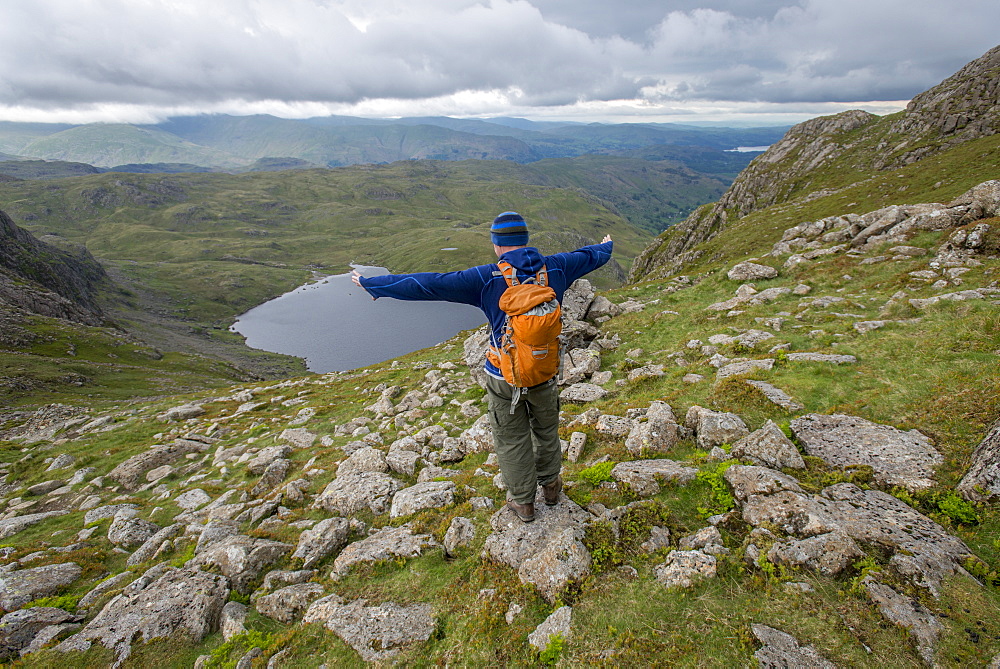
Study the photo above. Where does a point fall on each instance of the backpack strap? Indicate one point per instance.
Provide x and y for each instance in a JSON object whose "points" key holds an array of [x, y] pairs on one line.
{"points": [[510, 275]]}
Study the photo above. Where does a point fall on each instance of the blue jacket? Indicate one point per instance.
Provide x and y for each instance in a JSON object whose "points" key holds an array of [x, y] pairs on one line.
{"points": [[480, 287]]}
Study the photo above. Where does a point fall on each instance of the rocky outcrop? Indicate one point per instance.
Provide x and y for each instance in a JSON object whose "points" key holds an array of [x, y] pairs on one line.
{"points": [[60, 284], [981, 482], [961, 108]]}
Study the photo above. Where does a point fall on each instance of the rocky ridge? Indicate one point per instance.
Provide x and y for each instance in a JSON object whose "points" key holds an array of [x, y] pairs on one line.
{"points": [[961, 108]]}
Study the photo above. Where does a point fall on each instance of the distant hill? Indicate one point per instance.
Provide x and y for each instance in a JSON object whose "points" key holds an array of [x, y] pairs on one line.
{"points": [[236, 142]]}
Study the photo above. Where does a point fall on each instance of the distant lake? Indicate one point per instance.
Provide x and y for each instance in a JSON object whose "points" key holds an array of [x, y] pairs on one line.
{"points": [[336, 326]]}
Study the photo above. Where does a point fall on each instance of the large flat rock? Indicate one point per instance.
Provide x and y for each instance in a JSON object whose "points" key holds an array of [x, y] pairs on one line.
{"points": [[900, 458]]}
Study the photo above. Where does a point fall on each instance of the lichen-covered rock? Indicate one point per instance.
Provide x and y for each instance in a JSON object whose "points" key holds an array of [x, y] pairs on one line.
{"points": [[783, 650], [178, 603], [828, 554], [375, 632], [386, 544], [352, 493], [298, 437], [241, 558], [646, 476], [11, 526], [365, 459], [286, 604], [21, 586], [684, 569], [909, 614], [714, 428], [131, 473], [981, 482], [583, 392], [428, 495], [749, 271], [259, 463], [768, 447], [126, 530], [460, 532], [898, 458], [326, 538], [659, 433], [19, 628], [559, 623], [546, 553]]}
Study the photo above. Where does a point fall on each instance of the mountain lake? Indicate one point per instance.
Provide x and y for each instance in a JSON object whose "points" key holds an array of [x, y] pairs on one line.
{"points": [[336, 326]]}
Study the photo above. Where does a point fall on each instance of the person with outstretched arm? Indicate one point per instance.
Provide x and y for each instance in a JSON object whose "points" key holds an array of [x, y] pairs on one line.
{"points": [[525, 423]]}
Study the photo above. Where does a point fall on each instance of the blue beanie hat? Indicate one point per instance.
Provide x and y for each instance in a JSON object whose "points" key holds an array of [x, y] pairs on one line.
{"points": [[509, 229]]}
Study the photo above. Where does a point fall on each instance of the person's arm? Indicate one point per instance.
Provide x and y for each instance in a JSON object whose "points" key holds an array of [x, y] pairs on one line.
{"points": [[464, 287], [587, 259]]}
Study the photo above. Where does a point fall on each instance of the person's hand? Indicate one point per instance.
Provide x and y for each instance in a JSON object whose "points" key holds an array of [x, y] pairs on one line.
{"points": [[607, 238], [356, 278]]}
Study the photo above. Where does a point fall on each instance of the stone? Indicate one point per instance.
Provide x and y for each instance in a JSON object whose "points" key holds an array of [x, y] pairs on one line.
{"points": [[744, 367], [11, 526], [232, 620], [909, 614], [557, 624], [776, 395], [613, 426], [460, 533], [547, 553], [45, 487], [326, 538], [365, 459], [19, 628], [375, 632], [768, 447], [583, 392], [349, 494], [265, 457], [659, 538], [693, 378], [428, 495], [183, 412], [577, 441], [706, 536], [828, 554], [981, 482], [178, 603], [240, 558], [386, 544], [898, 458], [116, 582], [659, 433], [686, 568], [783, 650], [192, 499], [127, 531], [131, 474], [215, 531], [714, 428], [21, 586], [644, 477], [61, 462], [402, 462], [600, 378], [577, 299], [863, 327], [748, 271], [109, 511], [822, 357], [286, 604], [272, 477], [645, 372], [479, 437], [298, 437]]}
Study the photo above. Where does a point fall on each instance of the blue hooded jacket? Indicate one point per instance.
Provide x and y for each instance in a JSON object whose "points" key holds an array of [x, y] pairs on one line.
{"points": [[483, 285]]}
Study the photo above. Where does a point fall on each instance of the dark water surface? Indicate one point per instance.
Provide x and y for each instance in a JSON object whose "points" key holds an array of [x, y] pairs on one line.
{"points": [[336, 326]]}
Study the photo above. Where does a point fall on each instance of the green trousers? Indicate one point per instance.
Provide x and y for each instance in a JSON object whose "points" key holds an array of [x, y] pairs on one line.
{"points": [[527, 440]]}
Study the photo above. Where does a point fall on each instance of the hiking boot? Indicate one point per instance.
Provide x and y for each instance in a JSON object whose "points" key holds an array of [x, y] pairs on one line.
{"points": [[526, 512], [551, 491]]}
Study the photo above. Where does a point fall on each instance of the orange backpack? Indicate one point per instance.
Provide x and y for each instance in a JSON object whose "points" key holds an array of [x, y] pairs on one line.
{"points": [[528, 354]]}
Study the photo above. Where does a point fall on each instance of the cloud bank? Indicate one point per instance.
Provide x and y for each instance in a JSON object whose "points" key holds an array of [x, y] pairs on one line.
{"points": [[135, 60]]}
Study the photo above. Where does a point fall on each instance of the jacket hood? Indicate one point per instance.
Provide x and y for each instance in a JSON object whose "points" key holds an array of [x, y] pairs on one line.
{"points": [[527, 259]]}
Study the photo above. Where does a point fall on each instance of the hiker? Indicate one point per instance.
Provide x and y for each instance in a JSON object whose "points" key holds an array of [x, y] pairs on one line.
{"points": [[525, 421]]}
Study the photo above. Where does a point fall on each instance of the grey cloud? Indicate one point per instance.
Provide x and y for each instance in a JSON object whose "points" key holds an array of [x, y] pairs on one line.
{"points": [[539, 52]]}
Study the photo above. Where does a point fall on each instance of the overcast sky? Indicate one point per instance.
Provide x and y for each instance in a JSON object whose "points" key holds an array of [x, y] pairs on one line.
{"points": [[761, 61]]}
